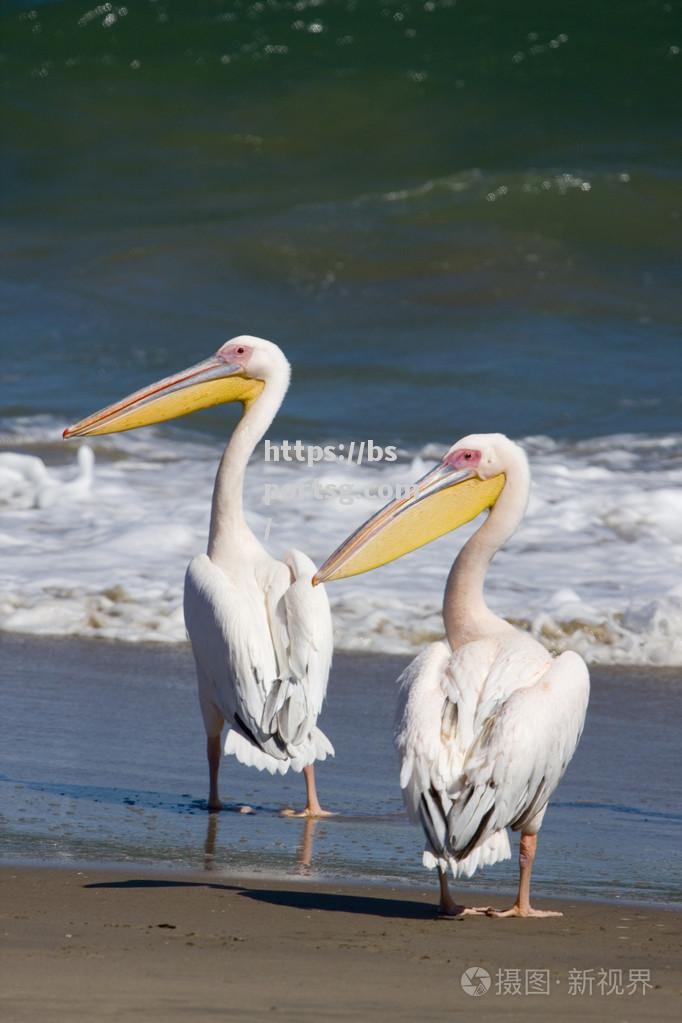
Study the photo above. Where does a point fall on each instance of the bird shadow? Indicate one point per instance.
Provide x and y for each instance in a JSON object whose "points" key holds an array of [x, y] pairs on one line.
{"points": [[153, 882], [334, 902], [330, 902]]}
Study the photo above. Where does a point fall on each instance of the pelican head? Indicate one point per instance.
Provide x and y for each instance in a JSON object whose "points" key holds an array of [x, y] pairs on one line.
{"points": [[468, 480], [237, 372]]}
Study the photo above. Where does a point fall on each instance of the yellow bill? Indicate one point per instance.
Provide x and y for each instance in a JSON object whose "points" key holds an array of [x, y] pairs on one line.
{"points": [[442, 500], [212, 382]]}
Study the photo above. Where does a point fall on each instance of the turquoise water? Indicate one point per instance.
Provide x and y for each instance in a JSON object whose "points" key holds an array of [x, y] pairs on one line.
{"points": [[452, 216]]}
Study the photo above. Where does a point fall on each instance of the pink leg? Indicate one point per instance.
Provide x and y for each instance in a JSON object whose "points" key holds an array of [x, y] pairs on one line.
{"points": [[522, 906], [312, 804]]}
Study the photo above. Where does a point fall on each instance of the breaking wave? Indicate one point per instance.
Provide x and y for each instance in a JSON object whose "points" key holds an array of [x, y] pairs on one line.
{"points": [[96, 540]]}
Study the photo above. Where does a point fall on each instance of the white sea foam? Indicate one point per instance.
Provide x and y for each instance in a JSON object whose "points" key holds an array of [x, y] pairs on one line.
{"points": [[101, 549]]}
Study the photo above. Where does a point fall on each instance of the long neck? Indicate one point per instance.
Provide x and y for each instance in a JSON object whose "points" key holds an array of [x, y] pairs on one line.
{"points": [[465, 612], [228, 526]]}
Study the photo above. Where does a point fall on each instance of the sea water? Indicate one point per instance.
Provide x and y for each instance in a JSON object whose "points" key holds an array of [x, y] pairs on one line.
{"points": [[453, 218]]}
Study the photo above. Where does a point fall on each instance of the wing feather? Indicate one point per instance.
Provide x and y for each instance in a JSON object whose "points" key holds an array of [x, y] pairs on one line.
{"points": [[309, 628], [484, 734], [519, 756], [250, 636]]}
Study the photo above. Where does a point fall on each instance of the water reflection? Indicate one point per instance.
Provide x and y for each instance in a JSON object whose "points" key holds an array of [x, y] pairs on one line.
{"points": [[304, 852], [305, 848], [210, 840]]}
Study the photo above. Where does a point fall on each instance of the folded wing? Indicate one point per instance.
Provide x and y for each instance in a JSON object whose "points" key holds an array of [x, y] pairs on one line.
{"points": [[484, 735], [263, 650], [519, 756]]}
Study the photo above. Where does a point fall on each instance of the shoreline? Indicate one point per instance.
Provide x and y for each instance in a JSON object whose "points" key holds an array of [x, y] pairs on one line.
{"points": [[115, 777], [180, 647], [469, 889], [105, 944]]}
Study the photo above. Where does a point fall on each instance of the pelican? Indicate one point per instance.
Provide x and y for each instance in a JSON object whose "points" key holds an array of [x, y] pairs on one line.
{"points": [[260, 634], [487, 720]]}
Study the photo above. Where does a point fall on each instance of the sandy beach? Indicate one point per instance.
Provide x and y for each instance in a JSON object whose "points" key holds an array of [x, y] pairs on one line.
{"points": [[105, 945]]}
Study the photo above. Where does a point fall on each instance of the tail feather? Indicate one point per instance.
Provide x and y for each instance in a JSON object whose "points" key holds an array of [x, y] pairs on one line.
{"points": [[469, 817], [494, 849], [247, 752], [251, 755]]}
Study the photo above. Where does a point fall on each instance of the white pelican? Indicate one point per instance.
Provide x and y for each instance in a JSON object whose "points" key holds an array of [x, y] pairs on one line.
{"points": [[488, 720], [261, 635]]}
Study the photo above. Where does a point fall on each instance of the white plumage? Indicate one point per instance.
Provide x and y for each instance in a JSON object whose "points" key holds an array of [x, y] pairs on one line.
{"points": [[487, 720], [485, 734], [261, 634], [262, 641]]}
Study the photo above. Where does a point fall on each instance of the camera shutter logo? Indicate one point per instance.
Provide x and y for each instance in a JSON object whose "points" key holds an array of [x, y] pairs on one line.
{"points": [[475, 981]]}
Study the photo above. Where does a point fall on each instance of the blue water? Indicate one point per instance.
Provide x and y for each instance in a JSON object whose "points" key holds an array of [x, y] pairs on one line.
{"points": [[453, 217]]}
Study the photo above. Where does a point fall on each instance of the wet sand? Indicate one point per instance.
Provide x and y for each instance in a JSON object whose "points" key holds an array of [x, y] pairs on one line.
{"points": [[104, 945], [102, 761]]}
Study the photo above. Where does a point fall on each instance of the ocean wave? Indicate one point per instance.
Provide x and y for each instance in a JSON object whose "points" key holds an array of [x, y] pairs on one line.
{"points": [[495, 186], [96, 540]]}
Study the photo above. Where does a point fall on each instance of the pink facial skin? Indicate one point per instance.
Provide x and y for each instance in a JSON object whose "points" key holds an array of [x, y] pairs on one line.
{"points": [[463, 458], [234, 351]]}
